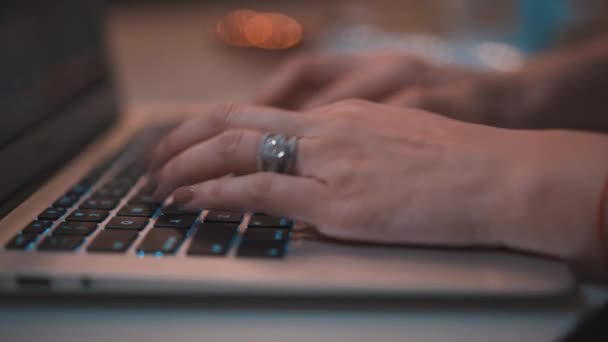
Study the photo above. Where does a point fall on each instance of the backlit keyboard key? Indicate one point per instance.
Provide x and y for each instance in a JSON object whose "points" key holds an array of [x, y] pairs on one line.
{"points": [[162, 241], [120, 182], [99, 203], [142, 198], [115, 241], [21, 241], [84, 215], [224, 216], [66, 201], [128, 223], [61, 243], [37, 226], [174, 209], [139, 210], [212, 239], [111, 191], [258, 220], [175, 221], [266, 235], [75, 228], [262, 250], [52, 213], [79, 189]]}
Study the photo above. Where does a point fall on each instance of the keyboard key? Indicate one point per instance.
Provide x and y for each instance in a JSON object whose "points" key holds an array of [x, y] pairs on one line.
{"points": [[140, 210], [117, 241], [112, 191], [145, 199], [263, 250], [224, 216], [66, 201], [91, 178], [262, 235], [175, 221], [258, 220], [123, 222], [61, 243], [174, 209], [21, 241], [84, 215], [212, 239], [99, 203], [120, 182], [162, 240], [133, 171], [79, 189], [75, 228], [52, 213], [37, 227]]}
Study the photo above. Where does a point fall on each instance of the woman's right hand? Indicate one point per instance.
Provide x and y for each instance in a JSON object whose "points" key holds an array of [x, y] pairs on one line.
{"points": [[309, 81]]}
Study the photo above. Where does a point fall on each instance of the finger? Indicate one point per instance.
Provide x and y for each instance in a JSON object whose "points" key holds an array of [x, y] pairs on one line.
{"points": [[410, 97], [372, 83], [218, 119], [231, 152], [297, 76], [272, 193]]}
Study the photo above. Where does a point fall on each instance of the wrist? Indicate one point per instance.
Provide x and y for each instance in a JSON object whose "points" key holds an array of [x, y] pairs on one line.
{"points": [[556, 179]]}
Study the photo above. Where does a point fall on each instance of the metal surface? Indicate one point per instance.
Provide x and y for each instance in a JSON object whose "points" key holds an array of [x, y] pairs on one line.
{"points": [[311, 267]]}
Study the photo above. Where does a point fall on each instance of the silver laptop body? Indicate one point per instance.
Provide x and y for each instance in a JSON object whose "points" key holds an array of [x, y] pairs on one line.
{"points": [[75, 216]]}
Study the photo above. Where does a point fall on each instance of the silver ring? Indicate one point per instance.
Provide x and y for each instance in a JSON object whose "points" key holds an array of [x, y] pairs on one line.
{"points": [[276, 153]]}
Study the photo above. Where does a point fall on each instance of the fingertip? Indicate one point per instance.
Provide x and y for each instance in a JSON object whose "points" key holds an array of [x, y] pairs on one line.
{"points": [[184, 196]]}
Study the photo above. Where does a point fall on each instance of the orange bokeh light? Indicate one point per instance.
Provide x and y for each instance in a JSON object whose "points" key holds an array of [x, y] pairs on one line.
{"points": [[247, 28]]}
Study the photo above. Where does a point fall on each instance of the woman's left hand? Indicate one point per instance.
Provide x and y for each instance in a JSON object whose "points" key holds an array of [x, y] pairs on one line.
{"points": [[362, 172]]}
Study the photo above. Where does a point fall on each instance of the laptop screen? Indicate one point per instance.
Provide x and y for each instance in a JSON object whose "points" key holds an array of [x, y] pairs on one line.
{"points": [[51, 67], [50, 51]]}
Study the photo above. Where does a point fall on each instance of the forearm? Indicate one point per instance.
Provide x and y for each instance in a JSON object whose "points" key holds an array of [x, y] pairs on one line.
{"points": [[565, 89], [555, 193]]}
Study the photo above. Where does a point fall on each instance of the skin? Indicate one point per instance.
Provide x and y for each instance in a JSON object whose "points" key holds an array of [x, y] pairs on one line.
{"points": [[310, 80], [563, 89], [382, 173]]}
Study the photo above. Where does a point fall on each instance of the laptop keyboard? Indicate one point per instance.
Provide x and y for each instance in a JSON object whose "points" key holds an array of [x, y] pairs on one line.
{"points": [[111, 211]]}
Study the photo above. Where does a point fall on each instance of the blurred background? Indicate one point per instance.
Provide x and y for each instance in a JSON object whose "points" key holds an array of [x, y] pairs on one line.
{"points": [[178, 53]]}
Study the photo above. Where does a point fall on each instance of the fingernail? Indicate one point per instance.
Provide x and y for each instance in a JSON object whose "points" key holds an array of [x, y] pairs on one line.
{"points": [[183, 195]]}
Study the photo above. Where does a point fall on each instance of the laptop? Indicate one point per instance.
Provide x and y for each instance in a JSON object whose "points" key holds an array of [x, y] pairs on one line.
{"points": [[76, 215]]}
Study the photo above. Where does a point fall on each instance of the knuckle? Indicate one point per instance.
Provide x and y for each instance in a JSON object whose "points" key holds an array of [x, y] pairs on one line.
{"points": [[231, 141], [225, 114]]}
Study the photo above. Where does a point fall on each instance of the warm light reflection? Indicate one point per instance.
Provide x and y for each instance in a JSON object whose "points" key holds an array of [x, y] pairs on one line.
{"points": [[247, 28]]}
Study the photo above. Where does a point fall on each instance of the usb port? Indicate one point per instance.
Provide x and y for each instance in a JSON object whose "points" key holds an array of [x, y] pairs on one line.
{"points": [[34, 283]]}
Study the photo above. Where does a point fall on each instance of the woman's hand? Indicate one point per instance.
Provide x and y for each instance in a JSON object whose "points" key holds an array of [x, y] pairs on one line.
{"points": [[363, 171], [380, 173], [307, 81]]}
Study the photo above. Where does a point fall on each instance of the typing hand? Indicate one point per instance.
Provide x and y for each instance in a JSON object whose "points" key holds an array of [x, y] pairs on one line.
{"points": [[307, 81], [364, 171]]}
